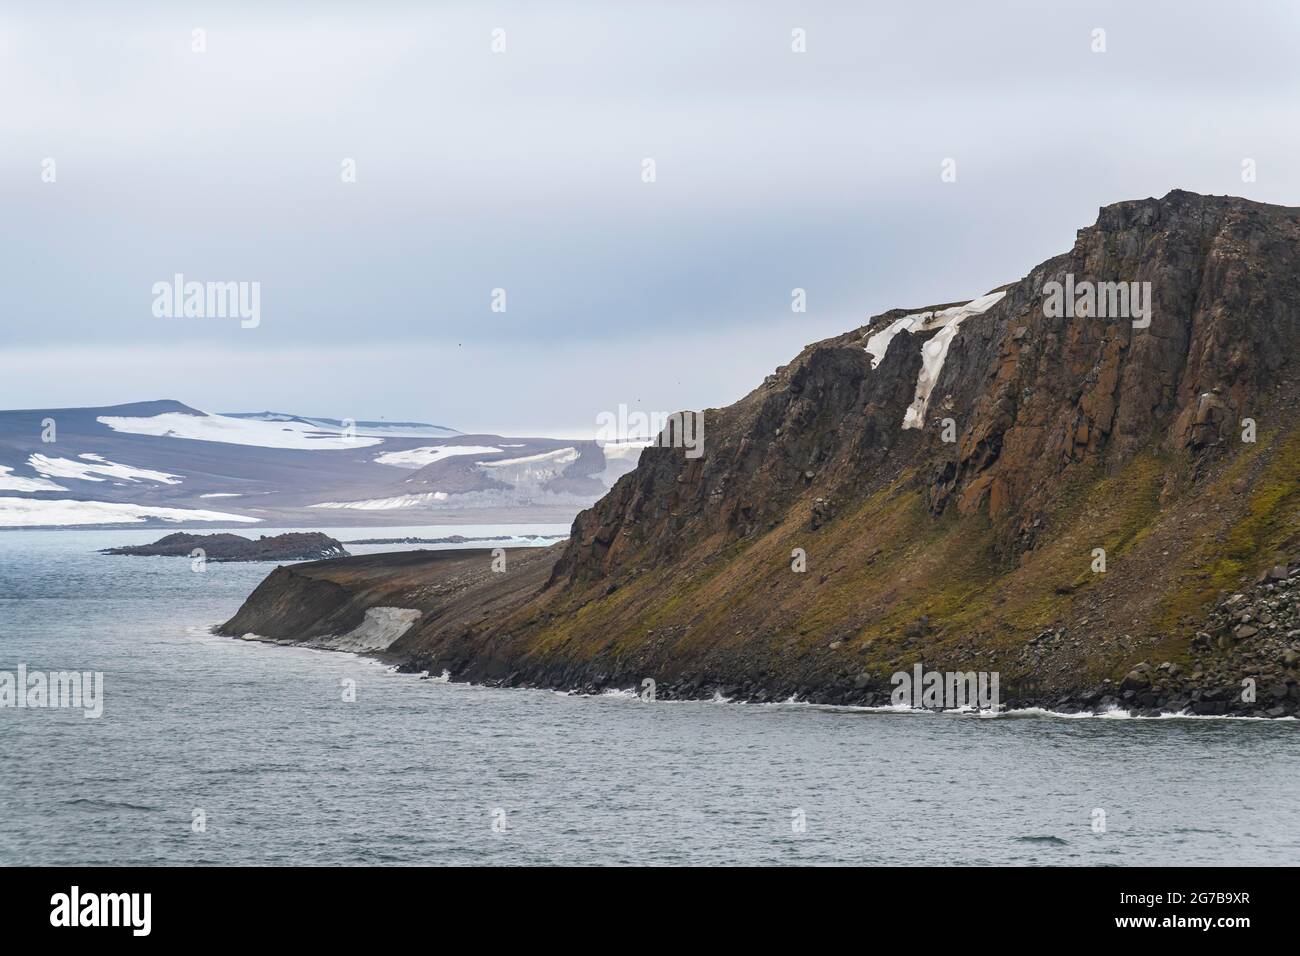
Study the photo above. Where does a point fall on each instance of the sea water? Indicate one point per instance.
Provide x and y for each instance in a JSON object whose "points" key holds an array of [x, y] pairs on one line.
{"points": [[213, 750]]}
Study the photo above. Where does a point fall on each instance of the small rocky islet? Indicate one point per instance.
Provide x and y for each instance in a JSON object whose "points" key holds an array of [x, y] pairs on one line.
{"points": [[292, 546]]}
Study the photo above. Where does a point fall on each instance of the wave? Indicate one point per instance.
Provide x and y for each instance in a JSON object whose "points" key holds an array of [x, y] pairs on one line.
{"points": [[627, 693], [1120, 713], [109, 805]]}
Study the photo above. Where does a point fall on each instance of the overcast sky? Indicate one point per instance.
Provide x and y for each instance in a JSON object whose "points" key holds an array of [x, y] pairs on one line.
{"points": [[523, 170]]}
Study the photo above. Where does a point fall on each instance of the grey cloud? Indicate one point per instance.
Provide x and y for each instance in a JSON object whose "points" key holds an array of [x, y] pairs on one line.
{"points": [[476, 171]]}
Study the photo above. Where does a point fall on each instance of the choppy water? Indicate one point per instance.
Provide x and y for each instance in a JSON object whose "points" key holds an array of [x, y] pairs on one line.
{"points": [[417, 772]]}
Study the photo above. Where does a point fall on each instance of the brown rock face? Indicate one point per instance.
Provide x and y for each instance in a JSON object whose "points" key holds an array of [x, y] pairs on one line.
{"points": [[1032, 396], [1224, 324], [1105, 452]]}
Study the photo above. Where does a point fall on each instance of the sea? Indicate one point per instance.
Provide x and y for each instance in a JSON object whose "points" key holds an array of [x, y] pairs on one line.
{"points": [[212, 750]]}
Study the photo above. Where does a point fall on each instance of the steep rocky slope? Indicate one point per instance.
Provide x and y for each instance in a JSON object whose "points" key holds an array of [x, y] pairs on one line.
{"points": [[972, 538]]}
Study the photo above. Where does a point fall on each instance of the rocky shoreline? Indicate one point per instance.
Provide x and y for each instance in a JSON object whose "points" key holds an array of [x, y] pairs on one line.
{"points": [[1244, 662], [371, 605]]}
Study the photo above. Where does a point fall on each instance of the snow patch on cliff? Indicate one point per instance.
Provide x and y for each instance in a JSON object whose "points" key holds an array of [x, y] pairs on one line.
{"points": [[878, 344], [935, 351]]}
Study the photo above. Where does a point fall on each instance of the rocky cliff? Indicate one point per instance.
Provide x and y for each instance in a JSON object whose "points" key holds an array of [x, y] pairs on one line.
{"points": [[1060, 481]]}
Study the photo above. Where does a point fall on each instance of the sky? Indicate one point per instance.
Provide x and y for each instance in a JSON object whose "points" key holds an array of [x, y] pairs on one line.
{"points": [[503, 146]]}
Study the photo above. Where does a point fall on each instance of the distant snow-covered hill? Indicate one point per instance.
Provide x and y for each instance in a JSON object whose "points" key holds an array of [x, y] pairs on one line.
{"points": [[164, 462]]}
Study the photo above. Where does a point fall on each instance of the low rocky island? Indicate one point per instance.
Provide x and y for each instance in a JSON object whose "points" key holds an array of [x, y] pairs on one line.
{"points": [[293, 546]]}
